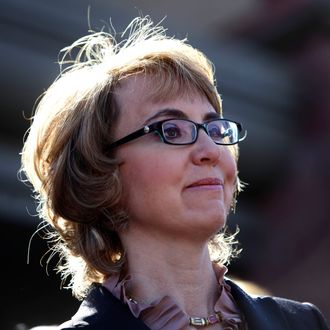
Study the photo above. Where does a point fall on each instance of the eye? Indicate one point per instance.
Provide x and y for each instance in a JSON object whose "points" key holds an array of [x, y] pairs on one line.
{"points": [[171, 131], [215, 132], [228, 132]]}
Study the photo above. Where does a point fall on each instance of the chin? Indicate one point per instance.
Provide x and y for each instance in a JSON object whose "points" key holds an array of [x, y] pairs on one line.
{"points": [[218, 225], [211, 225]]}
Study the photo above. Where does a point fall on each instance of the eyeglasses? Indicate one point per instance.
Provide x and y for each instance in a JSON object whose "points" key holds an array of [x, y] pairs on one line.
{"points": [[185, 131]]}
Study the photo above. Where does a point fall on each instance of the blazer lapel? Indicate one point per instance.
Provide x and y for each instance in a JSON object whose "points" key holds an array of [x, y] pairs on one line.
{"points": [[260, 313], [102, 311]]}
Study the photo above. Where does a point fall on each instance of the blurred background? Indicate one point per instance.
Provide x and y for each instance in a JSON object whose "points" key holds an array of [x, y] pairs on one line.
{"points": [[272, 59]]}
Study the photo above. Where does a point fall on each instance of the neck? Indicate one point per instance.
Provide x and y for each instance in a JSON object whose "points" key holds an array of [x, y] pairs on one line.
{"points": [[162, 266]]}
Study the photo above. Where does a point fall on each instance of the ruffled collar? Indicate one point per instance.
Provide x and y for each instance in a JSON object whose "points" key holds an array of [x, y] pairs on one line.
{"points": [[165, 314]]}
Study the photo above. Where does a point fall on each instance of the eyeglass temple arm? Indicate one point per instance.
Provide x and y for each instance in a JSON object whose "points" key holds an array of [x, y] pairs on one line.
{"points": [[130, 137], [244, 136]]}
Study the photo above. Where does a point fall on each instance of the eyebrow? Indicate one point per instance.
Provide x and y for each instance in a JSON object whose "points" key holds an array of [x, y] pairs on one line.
{"points": [[211, 115], [179, 115], [167, 113]]}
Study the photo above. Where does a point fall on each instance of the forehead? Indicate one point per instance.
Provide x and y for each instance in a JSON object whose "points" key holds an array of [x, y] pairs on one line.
{"points": [[154, 88], [139, 94]]}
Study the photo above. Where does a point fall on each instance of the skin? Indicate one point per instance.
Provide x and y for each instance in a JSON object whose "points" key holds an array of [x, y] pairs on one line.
{"points": [[172, 213]]}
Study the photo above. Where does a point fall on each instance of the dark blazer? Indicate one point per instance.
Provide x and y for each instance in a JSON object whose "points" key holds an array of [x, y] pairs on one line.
{"points": [[102, 311]]}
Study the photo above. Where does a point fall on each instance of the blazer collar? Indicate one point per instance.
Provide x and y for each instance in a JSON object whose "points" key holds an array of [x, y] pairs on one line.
{"points": [[261, 312], [101, 309]]}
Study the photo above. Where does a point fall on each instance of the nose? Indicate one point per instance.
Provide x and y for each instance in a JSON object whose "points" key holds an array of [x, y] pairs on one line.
{"points": [[204, 150]]}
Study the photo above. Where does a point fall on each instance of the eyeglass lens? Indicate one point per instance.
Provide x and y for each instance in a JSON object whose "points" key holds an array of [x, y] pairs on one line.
{"points": [[179, 131]]}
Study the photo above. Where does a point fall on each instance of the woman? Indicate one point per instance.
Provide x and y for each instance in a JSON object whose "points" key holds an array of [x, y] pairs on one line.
{"points": [[136, 171]]}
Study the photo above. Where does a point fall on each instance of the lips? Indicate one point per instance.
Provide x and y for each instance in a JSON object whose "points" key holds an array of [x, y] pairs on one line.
{"points": [[206, 182]]}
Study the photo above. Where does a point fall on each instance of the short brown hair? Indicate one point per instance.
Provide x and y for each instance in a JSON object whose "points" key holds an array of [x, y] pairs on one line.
{"points": [[66, 155]]}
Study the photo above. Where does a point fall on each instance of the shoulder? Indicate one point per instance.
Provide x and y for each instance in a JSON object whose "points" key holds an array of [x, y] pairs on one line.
{"points": [[102, 311], [279, 312], [295, 312]]}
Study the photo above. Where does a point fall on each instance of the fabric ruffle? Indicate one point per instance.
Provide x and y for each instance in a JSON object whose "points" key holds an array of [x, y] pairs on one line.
{"points": [[165, 314]]}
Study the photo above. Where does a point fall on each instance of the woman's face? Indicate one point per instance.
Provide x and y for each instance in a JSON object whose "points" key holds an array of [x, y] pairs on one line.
{"points": [[169, 189]]}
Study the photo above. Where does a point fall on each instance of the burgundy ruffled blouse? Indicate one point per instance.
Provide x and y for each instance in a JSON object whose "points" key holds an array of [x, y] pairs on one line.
{"points": [[165, 314]]}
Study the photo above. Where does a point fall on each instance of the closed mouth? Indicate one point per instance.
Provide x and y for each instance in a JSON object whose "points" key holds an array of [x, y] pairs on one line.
{"points": [[206, 182]]}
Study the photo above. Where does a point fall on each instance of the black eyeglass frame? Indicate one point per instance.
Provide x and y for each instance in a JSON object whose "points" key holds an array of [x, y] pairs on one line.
{"points": [[157, 127]]}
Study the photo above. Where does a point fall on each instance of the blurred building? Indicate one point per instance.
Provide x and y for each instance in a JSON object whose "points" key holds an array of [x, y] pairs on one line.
{"points": [[273, 71]]}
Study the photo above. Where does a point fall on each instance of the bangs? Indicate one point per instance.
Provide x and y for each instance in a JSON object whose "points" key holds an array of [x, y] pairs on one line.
{"points": [[167, 85], [165, 81]]}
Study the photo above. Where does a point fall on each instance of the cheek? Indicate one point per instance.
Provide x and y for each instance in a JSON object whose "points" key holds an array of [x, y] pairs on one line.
{"points": [[146, 179], [232, 171], [230, 168]]}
